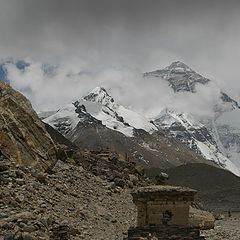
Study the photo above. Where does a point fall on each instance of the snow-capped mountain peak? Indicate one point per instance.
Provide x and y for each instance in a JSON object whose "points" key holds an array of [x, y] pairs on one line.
{"points": [[214, 138], [197, 136], [181, 78], [100, 95], [99, 105], [179, 66]]}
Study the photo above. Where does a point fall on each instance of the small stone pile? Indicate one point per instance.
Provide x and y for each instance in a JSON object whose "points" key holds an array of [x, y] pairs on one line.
{"points": [[60, 232]]}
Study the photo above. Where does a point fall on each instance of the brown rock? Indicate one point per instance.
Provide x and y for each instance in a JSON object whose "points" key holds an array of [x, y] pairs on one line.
{"points": [[133, 179], [200, 218], [23, 138]]}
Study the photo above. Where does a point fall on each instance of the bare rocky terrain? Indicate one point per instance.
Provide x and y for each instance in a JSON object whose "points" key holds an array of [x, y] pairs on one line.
{"points": [[225, 229], [23, 137], [51, 189], [68, 202]]}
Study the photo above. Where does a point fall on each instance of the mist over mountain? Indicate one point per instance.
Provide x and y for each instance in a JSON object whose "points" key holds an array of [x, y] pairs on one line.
{"points": [[197, 112], [170, 97], [50, 86]]}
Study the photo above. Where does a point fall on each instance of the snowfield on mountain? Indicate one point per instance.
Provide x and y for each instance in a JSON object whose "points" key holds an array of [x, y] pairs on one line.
{"points": [[99, 104]]}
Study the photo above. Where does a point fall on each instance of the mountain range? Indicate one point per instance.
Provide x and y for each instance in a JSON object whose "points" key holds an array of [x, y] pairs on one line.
{"points": [[96, 121], [215, 137]]}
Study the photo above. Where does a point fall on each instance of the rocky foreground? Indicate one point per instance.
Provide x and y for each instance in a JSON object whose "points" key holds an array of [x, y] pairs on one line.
{"points": [[227, 228], [23, 137], [70, 201], [50, 189]]}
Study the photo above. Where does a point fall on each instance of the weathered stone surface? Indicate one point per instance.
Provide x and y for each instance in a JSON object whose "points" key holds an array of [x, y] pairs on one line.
{"points": [[164, 189], [162, 205], [23, 138], [200, 218], [163, 213]]}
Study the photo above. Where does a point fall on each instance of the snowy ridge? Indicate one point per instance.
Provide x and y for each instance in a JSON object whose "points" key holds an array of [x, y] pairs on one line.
{"points": [[196, 136], [216, 137], [100, 95], [113, 115], [64, 120], [100, 105], [46, 114]]}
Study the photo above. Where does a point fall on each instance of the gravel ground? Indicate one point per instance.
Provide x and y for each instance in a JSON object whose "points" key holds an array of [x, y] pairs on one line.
{"points": [[32, 206], [226, 229]]}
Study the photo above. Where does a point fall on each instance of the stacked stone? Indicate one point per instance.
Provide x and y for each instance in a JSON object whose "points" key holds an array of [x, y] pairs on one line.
{"points": [[163, 214], [161, 205]]}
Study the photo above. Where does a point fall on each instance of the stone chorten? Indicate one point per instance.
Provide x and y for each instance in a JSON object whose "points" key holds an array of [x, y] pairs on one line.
{"points": [[163, 213]]}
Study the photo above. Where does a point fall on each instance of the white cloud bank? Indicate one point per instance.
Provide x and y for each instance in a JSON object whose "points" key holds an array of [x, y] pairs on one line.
{"points": [[74, 78]]}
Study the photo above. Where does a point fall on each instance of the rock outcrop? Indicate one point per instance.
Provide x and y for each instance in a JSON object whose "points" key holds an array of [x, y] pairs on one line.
{"points": [[200, 218], [23, 138]]}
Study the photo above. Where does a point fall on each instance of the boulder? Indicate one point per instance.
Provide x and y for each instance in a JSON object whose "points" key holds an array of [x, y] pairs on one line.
{"points": [[201, 219], [23, 137]]}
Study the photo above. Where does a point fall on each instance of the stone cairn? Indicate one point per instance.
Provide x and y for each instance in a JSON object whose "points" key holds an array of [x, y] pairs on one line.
{"points": [[161, 179], [163, 212]]}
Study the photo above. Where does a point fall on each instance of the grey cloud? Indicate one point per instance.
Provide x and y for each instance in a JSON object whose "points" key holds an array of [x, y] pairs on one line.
{"points": [[142, 34]]}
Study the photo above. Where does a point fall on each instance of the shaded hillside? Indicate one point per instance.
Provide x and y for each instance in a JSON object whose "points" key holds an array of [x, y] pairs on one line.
{"points": [[218, 189], [148, 150], [58, 138]]}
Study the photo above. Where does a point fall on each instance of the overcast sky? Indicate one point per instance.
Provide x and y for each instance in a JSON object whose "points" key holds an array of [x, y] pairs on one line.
{"points": [[141, 35]]}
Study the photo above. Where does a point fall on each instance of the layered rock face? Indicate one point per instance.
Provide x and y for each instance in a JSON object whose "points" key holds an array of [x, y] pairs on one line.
{"points": [[23, 138]]}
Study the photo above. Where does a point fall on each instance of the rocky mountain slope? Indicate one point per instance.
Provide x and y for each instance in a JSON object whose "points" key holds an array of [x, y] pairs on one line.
{"points": [[216, 137], [86, 196], [23, 138]]}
